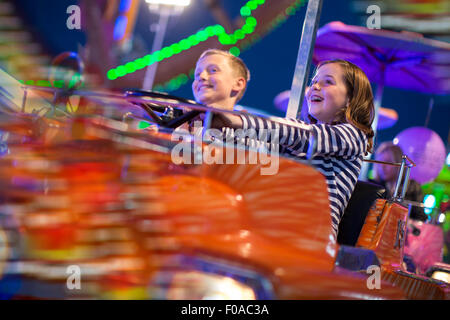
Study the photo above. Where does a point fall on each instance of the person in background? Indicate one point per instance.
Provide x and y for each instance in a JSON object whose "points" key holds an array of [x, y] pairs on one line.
{"points": [[386, 175]]}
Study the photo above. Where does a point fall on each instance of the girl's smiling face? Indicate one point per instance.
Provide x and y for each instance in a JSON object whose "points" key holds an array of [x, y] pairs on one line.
{"points": [[327, 94]]}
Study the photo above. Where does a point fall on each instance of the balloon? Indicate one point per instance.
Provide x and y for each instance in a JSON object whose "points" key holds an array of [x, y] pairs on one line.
{"points": [[426, 149]]}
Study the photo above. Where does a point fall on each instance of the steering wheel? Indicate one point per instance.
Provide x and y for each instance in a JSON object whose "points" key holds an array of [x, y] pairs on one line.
{"points": [[170, 117]]}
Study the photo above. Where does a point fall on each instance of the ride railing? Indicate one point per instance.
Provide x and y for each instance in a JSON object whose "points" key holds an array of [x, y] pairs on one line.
{"points": [[401, 185]]}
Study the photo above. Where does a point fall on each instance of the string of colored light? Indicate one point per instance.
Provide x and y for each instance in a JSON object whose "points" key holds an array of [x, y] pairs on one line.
{"points": [[193, 40], [47, 83], [181, 79]]}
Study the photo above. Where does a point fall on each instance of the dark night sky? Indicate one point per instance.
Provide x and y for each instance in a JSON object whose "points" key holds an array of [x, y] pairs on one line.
{"points": [[271, 60]]}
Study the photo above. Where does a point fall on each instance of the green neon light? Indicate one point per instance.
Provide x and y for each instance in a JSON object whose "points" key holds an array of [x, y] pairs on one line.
{"points": [[143, 125], [235, 51], [185, 44], [245, 11], [191, 41], [173, 85], [47, 84]]}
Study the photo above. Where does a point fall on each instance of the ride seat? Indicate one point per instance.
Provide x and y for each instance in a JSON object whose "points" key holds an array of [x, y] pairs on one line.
{"points": [[355, 213]]}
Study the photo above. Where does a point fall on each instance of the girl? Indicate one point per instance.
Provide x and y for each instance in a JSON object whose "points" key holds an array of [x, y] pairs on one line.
{"points": [[341, 110]]}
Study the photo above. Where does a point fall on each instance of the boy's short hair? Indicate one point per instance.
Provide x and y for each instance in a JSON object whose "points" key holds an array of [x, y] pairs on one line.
{"points": [[237, 64]]}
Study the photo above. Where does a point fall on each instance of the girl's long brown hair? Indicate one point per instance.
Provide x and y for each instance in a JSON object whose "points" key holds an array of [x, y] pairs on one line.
{"points": [[361, 110]]}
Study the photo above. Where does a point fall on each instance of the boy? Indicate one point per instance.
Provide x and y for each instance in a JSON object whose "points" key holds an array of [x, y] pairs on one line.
{"points": [[220, 82], [220, 79]]}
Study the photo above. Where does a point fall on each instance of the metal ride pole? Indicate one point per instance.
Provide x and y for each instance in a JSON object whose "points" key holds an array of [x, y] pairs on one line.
{"points": [[24, 100], [405, 183], [395, 197], [305, 52], [430, 109], [157, 45]]}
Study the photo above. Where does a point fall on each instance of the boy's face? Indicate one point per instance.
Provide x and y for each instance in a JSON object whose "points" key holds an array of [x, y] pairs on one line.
{"points": [[216, 83], [328, 93]]}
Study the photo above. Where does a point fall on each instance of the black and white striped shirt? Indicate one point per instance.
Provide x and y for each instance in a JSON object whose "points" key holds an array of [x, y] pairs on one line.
{"points": [[338, 155]]}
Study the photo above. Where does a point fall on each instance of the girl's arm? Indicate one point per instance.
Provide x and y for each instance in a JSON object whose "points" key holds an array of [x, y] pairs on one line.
{"points": [[341, 140]]}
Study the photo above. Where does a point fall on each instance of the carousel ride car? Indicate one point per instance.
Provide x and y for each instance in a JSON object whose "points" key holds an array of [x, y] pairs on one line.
{"points": [[93, 205]]}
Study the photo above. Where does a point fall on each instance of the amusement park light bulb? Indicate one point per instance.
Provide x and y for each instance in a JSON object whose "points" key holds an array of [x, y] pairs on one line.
{"points": [[443, 276], [429, 201], [179, 3]]}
